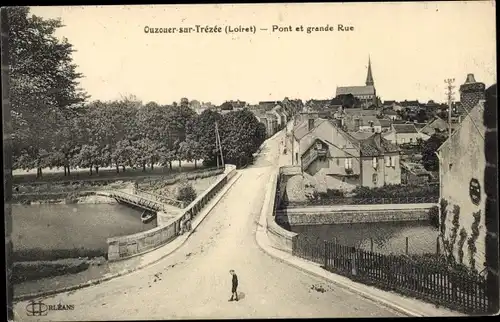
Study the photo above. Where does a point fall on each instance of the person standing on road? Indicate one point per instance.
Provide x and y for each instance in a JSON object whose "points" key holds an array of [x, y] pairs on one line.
{"points": [[234, 292]]}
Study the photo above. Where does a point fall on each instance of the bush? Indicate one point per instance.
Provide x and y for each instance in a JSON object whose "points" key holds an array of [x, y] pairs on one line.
{"points": [[434, 216], [396, 191], [328, 195], [186, 193], [22, 272], [39, 254]]}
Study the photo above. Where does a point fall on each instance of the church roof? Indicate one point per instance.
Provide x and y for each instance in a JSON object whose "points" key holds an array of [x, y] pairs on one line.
{"points": [[369, 77], [355, 90]]}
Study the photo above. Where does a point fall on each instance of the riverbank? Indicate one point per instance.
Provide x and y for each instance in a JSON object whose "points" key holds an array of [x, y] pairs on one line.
{"points": [[56, 274]]}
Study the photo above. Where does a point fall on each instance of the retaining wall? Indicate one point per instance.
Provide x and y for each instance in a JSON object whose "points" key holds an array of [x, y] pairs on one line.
{"points": [[356, 214], [168, 228], [279, 237]]}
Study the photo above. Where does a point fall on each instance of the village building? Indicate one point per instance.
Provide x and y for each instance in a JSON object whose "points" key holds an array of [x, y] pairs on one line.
{"points": [[415, 173], [391, 115], [367, 95], [437, 125], [324, 149], [385, 125], [462, 163], [404, 134]]}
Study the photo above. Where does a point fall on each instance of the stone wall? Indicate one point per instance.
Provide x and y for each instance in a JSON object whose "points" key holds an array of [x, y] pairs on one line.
{"points": [[279, 237], [334, 215], [168, 228]]}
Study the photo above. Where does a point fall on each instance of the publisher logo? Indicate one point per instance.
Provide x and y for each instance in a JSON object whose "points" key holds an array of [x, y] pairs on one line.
{"points": [[38, 308]]}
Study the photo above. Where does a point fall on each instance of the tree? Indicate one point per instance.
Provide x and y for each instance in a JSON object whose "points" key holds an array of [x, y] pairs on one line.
{"points": [[202, 130], [349, 101], [241, 136], [43, 85], [429, 157], [226, 106]]}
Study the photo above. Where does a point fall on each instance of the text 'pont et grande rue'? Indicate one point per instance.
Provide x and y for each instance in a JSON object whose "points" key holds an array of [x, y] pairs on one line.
{"points": [[252, 29]]}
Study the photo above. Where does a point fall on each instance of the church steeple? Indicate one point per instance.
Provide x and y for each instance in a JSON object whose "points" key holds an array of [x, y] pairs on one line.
{"points": [[369, 77]]}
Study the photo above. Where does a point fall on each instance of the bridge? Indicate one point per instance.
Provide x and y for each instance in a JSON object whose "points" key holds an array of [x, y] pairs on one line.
{"points": [[141, 200]]}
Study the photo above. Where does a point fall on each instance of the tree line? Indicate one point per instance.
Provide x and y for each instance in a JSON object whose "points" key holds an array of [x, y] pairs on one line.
{"points": [[54, 125]]}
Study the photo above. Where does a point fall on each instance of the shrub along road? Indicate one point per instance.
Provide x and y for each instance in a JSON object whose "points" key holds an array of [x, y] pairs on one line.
{"points": [[194, 282]]}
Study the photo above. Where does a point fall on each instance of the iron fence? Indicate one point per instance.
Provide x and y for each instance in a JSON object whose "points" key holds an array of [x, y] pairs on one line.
{"points": [[360, 201], [430, 281]]}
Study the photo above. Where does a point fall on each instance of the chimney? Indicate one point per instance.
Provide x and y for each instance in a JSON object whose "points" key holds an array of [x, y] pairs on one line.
{"points": [[377, 139], [471, 92], [310, 124]]}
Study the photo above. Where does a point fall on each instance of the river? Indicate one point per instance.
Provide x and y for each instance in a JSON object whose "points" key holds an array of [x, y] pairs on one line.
{"points": [[65, 227], [388, 237]]}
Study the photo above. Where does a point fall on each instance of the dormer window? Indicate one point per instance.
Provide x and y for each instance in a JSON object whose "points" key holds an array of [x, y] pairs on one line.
{"points": [[319, 146]]}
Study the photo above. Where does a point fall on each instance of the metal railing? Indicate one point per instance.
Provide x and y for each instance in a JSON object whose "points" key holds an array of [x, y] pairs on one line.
{"points": [[359, 201], [159, 198]]}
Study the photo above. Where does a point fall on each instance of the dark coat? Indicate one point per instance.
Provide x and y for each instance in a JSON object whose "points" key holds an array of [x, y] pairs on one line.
{"points": [[235, 283]]}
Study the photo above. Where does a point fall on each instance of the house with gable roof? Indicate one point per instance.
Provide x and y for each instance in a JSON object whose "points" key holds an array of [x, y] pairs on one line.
{"points": [[326, 149], [405, 134], [437, 125]]}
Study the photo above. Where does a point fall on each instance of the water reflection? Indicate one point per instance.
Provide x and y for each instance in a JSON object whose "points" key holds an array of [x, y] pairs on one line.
{"points": [[63, 226], [387, 237]]}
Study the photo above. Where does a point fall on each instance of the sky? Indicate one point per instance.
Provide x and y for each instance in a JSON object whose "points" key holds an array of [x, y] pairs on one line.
{"points": [[413, 48]]}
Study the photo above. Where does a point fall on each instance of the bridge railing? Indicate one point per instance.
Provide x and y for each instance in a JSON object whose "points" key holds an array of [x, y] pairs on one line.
{"points": [[159, 198], [168, 228]]}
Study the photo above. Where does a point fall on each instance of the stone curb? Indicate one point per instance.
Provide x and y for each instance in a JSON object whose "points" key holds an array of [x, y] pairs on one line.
{"points": [[126, 272]]}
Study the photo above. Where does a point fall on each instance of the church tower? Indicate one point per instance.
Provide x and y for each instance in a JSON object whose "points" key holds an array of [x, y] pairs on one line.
{"points": [[369, 77]]}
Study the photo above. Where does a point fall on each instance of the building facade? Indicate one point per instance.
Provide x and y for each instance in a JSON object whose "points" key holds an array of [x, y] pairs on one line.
{"points": [[328, 150], [461, 169]]}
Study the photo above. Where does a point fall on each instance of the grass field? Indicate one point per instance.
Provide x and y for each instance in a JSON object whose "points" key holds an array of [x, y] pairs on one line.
{"points": [[57, 174]]}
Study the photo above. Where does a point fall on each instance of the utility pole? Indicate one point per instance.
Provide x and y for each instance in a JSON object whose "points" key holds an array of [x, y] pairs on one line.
{"points": [[449, 94], [218, 144]]}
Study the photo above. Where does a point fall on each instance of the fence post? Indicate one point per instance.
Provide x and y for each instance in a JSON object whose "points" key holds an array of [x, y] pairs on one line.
{"points": [[325, 253], [406, 250], [437, 247]]}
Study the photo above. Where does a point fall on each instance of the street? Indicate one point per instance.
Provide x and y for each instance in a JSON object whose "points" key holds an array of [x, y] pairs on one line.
{"points": [[194, 282]]}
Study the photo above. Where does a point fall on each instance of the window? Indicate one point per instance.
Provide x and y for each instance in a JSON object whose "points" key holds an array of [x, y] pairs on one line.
{"points": [[374, 161], [393, 161], [348, 163], [318, 145], [411, 140], [388, 161], [450, 166], [338, 161], [375, 178], [403, 140]]}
